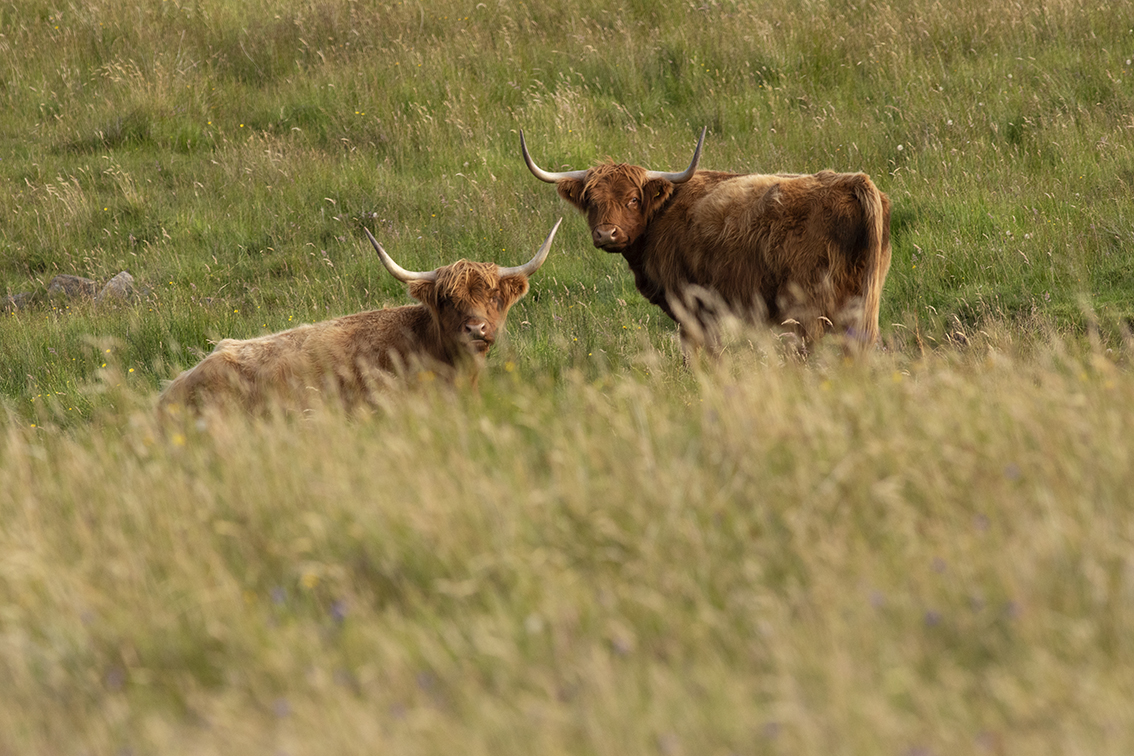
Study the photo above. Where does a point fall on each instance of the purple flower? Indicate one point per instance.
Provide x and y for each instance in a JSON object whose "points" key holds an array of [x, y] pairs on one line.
{"points": [[338, 610]]}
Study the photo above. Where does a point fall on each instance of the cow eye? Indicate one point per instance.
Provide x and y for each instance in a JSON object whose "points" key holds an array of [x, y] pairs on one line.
{"points": [[633, 202]]}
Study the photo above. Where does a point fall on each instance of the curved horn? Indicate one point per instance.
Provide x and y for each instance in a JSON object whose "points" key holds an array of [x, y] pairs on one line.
{"points": [[540, 173], [532, 265], [397, 271], [679, 178]]}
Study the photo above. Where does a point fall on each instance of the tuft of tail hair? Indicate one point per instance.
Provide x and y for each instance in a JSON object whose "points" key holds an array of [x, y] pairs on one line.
{"points": [[877, 258]]}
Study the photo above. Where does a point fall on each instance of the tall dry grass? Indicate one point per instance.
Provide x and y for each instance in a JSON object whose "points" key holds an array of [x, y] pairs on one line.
{"points": [[926, 555]]}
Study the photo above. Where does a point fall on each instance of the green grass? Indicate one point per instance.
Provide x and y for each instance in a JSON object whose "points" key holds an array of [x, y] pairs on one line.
{"points": [[605, 551]]}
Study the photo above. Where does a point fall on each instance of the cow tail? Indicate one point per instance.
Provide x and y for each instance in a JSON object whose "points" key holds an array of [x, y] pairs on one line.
{"points": [[877, 257]]}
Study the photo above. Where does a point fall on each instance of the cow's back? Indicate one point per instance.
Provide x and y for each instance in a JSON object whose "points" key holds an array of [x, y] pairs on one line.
{"points": [[343, 357], [784, 246]]}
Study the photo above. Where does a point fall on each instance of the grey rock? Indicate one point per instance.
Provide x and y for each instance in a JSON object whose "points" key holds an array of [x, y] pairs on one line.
{"points": [[121, 287], [71, 286], [13, 302]]}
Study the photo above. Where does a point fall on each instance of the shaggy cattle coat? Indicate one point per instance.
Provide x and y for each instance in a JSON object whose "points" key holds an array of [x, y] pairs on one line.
{"points": [[462, 309], [809, 252]]}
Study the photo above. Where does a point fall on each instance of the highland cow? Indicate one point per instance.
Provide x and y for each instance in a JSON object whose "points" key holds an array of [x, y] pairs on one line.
{"points": [[461, 311], [809, 252]]}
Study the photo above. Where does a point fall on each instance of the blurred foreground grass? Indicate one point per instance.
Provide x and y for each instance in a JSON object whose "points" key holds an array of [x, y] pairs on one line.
{"points": [[930, 555]]}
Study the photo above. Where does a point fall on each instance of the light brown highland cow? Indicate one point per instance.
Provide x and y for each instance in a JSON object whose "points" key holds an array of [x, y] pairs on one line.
{"points": [[462, 310]]}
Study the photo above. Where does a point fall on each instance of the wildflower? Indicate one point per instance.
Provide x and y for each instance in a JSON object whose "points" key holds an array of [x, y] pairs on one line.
{"points": [[338, 610], [115, 678]]}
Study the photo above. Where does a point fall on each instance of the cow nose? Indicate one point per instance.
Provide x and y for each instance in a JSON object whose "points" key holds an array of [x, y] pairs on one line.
{"points": [[476, 329], [605, 235]]}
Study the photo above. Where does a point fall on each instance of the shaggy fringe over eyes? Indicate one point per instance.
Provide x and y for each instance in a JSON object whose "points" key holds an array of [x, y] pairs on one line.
{"points": [[610, 170], [466, 283], [593, 189]]}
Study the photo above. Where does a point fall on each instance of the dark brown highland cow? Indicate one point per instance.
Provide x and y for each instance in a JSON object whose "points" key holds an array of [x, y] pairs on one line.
{"points": [[462, 309], [807, 251]]}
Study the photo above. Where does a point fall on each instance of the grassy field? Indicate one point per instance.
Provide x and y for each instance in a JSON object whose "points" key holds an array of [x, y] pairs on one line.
{"points": [[605, 550]]}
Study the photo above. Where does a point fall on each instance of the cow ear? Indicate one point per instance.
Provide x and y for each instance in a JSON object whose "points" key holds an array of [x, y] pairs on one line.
{"points": [[571, 190], [426, 293], [512, 288], [654, 195]]}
